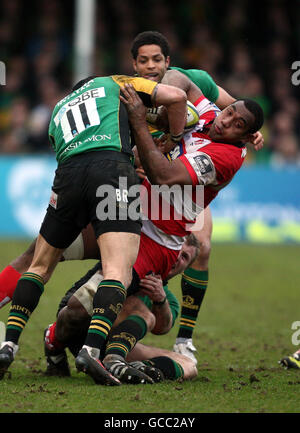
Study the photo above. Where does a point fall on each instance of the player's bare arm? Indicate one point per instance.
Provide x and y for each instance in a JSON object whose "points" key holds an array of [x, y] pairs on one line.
{"points": [[174, 99], [152, 286], [177, 79], [159, 170]]}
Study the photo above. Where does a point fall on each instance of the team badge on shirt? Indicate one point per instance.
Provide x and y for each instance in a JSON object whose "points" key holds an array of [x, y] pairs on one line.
{"points": [[204, 164]]}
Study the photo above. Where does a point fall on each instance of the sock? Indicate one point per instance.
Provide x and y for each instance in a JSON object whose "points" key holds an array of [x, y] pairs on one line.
{"points": [[51, 340], [8, 282], [25, 299], [170, 368], [193, 287], [107, 304], [124, 337]]}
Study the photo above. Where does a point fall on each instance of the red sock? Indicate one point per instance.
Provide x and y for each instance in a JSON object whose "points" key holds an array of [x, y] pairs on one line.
{"points": [[8, 282], [50, 339]]}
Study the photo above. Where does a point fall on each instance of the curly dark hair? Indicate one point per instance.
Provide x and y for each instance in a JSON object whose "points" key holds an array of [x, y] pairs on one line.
{"points": [[150, 38]]}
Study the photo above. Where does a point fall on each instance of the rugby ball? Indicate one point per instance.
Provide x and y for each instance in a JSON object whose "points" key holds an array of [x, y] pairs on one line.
{"points": [[159, 115], [192, 117]]}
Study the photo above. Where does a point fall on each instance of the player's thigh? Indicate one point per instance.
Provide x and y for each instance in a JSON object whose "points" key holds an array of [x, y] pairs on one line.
{"points": [[204, 235]]}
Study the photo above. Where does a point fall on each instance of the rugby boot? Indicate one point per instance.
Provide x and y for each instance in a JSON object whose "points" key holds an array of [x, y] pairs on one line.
{"points": [[292, 361], [125, 372], [155, 373], [185, 347], [87, 362], [8, 351]]}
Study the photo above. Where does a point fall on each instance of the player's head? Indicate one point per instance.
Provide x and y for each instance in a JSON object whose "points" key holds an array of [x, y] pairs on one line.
{"points": [[189, 251], [151, 55], [237, 122]]}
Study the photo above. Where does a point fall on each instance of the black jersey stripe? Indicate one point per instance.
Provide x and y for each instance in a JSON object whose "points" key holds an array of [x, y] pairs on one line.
{"points": [[72, 123], [84, 115]]}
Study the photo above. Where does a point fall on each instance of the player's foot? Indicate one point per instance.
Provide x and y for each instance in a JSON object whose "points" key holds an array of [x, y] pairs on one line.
{"points": [[124, 371], [57, 360], [185, 347], [92, 366], [292, 361], [153, 372], [7, 355]]}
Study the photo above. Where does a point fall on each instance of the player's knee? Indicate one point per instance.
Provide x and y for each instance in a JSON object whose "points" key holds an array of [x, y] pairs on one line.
{"points": [[150, 320], [204, 253], [189, 367], [75, 311], [190, 371], [148, 317]]}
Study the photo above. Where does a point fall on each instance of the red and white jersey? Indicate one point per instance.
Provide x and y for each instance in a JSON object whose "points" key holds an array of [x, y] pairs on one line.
{"points": [[211, 166], [154, 257]]}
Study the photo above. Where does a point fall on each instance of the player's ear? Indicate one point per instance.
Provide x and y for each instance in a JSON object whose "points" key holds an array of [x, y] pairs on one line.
{"points": [[167, 61], [134, 64], [247, 138]]}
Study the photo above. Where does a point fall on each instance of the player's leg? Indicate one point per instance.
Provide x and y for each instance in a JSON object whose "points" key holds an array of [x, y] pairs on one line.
{"points": [[84, 247], [193, 287], [173, 365], [131, 326], [11, 274], [118, 253], [26, 297]]}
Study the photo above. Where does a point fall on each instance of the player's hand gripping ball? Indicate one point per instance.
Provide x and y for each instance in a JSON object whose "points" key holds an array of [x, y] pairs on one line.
{"points": [[158, 117]]}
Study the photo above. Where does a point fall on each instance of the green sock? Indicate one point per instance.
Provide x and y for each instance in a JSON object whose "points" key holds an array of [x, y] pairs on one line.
{"points": [[107, 304], [170, 368], [25, 299], [193, 288], [124, 337]]}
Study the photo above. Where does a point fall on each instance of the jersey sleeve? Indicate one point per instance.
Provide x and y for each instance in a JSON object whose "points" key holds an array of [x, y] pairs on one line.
{"points": [[51, 131], [227, 162], [202, 80], [173, 303], [142, 86], [215, 165]]}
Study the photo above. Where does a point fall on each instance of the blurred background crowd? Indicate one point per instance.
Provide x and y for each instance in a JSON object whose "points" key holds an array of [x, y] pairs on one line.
{"points": [[248, 47]]}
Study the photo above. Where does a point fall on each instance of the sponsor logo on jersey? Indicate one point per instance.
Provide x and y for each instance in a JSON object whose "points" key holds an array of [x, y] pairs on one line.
{"points": [[176, 152], [204, 164], [98, 137], [94, 93]]}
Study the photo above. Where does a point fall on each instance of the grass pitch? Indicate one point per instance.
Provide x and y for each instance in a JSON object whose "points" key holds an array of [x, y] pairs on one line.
{"points": [[243, 329]]}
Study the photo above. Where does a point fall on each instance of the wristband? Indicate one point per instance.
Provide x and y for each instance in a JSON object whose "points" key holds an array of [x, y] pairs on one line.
{"points": [[176, 138], [160, 302]]}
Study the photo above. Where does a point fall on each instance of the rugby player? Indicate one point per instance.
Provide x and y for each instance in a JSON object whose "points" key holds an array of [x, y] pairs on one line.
{"points": [[154, 310], [230, 164], [151, 59], [209, 156], [84, 164]]}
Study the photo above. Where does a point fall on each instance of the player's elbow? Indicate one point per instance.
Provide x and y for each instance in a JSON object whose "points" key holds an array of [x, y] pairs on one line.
{"points": [[162, 328], [178, 95]]}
